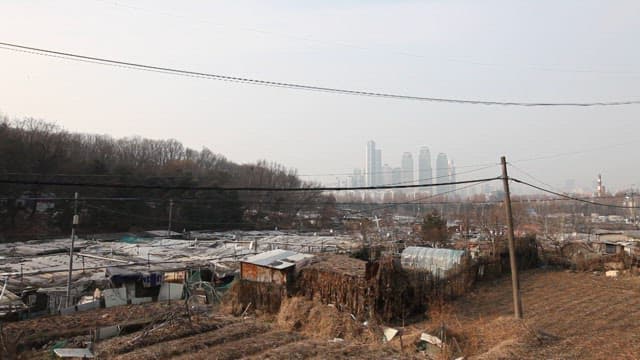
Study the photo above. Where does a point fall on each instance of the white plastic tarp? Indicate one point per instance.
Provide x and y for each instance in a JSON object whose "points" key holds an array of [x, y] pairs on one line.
{"points": [[142, 300], [431, 339], [438, 261], [74, 353], [115, 297], [170, 291]]}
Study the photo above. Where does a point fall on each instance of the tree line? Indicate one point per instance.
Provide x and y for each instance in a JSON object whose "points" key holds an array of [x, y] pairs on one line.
{"points": [[36, 150]]}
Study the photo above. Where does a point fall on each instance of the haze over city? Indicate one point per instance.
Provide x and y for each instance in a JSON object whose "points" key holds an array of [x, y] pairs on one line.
{"points": [[502, 51], [420, 180]]}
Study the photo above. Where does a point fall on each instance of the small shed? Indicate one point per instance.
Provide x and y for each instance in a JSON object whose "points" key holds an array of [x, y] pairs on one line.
{"points": [[57, 297], [437, 261], [608, 247], [138, 283], [275, 266], [10, 303]]}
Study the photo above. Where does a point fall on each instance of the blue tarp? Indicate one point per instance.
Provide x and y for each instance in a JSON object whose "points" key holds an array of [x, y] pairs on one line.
{"points": [[148, 279]]}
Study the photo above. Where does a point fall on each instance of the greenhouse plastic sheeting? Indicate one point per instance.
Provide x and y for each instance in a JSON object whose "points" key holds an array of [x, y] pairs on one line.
{"points": [[438, 261]]}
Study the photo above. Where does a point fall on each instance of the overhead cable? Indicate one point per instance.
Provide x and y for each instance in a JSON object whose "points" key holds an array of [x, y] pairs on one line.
{"points": [[417, 200], [219, 188], [189, 177], [572, 197], [294, 86]]}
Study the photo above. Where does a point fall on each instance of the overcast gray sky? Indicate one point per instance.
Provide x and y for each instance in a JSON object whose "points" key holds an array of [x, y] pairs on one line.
{"points": [[492, 50]]}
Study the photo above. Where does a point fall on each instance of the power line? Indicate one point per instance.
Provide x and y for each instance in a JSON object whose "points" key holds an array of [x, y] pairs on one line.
{"points": [[534, 178], [484, 167], [477, 167], [101, 175], [294, 86], [337, 203], [153, 218], [573, 198], [301, 202], [252, 197], [442, 176], [218, 188], [416, 201]]}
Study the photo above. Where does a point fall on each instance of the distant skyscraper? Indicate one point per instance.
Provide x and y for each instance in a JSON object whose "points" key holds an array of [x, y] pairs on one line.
{"points": [[442, 173], [373, 165], [357, 179], [407, 168], [452, 175], [396, 175], [370, 164], [424, 166], [386, 175], [378, 168]]}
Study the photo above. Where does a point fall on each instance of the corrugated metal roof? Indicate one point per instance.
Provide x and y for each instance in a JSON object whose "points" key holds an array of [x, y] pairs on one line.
{"points": [[276, 259], [435, 260]]}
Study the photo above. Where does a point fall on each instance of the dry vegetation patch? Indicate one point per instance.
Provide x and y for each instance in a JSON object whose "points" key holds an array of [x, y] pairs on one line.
{"points": [[321, 321], [567, 315]]}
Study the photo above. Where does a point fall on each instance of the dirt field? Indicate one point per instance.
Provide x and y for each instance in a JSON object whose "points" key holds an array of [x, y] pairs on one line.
{"points": [[163, 331], [567, 316]]}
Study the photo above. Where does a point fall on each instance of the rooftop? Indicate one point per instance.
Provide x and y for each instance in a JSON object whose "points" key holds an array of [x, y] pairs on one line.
{"points": [[276, 259]]}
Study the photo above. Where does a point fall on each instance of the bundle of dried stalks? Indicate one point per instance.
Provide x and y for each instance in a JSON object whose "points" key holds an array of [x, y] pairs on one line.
{"points": [[262, 296]]}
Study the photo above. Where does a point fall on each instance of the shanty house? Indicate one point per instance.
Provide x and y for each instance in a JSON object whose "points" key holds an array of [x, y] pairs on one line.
{"points": [[10, 304], [140, 285], [275, 266], [608, 247]]}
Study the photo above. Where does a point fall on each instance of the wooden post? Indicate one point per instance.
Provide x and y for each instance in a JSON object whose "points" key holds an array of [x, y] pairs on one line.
{"points": [[170, 216], [73, 237], [515, 280]]}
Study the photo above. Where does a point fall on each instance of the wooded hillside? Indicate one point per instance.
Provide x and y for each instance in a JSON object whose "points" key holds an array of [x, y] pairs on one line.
{"points": [[34, 150]]}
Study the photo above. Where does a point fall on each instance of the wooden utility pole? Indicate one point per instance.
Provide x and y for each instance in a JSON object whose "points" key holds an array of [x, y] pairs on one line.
{"points": [[73, 237], [515, 280], [170, 216]]}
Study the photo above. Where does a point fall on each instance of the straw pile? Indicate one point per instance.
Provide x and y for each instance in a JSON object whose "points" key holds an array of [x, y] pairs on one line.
{"points": [[320, 321], [248, 295]]}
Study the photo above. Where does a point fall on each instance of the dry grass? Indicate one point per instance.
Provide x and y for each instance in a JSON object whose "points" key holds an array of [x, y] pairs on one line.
{"points": [[301, 330], [324, 322], [194, 343], [40, 331], [567, 316]]}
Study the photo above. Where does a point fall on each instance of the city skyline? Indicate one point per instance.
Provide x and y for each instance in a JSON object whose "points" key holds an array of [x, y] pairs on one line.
{"points": [[418, 171], [304, 178], [497, 53], [410, 170]]}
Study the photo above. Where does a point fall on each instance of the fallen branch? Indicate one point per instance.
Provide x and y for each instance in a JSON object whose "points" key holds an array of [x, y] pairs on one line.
{"points": [[245, 310]]}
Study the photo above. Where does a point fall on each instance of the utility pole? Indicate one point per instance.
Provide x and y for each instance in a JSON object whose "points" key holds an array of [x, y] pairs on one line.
{"points": [[170, 214], [633, 206], [515, 281], [73, 237]]}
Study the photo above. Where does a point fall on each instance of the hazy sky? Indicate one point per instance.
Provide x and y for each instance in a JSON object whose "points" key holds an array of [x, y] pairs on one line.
{"points": [[493, 50]]}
